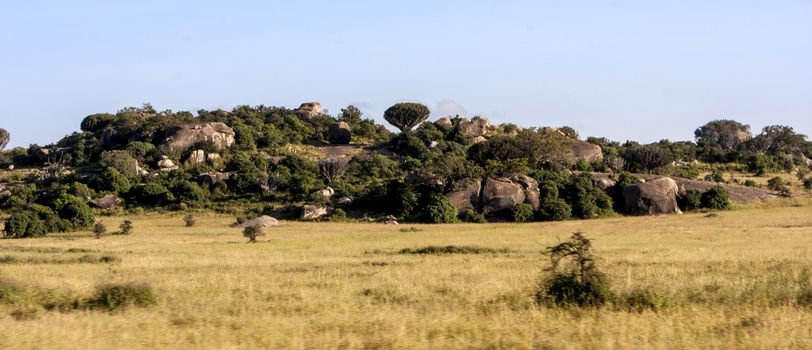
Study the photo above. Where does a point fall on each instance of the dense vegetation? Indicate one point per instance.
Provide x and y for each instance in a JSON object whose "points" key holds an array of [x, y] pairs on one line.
{"points": [[274, 166]]}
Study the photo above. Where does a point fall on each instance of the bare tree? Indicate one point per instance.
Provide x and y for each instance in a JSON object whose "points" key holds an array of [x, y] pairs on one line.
{"points": [[614, 163], [333, 168]]}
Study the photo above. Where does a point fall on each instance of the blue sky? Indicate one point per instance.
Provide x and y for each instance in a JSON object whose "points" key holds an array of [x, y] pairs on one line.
{"points": [[641, 70]]}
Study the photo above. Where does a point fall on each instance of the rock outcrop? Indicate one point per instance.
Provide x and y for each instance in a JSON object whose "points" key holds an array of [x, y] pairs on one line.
{"points": [[444, 123], [212, 178], [531, 190], [313, 212], [466, 195], [475, 127], [262, 221], [308, 110], [586, 151], [166, 164], [603, 183], [109, 201], [196, 157], [339, 133], [180, 138], [654, 197], [499, 195]]}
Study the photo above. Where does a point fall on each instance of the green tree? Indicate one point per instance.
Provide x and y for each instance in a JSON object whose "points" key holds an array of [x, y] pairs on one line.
{"points": [[723, 134], [405, 116], [4, 138]]}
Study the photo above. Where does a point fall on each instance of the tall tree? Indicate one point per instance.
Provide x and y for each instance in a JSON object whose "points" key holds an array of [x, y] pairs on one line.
{"points": [[724, 134], [405, 116], [4, 138]]}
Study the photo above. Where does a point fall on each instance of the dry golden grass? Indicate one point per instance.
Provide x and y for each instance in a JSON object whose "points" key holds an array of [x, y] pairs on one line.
{"points": [[730, 281]]}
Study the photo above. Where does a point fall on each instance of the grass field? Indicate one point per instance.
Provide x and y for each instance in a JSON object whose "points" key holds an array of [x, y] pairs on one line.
{"points": [[735, 280]]}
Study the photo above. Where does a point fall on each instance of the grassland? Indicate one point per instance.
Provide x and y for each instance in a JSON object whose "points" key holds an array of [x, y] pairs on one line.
{"points": [[726, 281]]}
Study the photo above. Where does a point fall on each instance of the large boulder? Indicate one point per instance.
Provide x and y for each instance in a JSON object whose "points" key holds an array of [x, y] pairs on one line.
{"points": [[476, 127], [262, 221], [530, 186], [109, 201], [603, 183], [466, 195], [586, 151], [654, 197], [339, 133], [444, 123], [308, 110], [166, 164], [499, 195], [313, 212], [212, 178], [178, 139]]}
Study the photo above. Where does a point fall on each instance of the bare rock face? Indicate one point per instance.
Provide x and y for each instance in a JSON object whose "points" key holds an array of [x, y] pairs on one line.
{"points": [[212, 178], [444, 123], [180, 138], [166, 164], [197, 157], [339, 134], [262, 221], [603, 183], [109, 201], [327, 192], [466, 196], [654, 197], [344, 201], [480, 139], [586, 151], [313, 212], [531, 190], [476, 127], [308, 110], [499, 195]]}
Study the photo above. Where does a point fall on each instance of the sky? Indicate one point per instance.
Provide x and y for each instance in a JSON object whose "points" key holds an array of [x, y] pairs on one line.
{"points": [[626, 70]]}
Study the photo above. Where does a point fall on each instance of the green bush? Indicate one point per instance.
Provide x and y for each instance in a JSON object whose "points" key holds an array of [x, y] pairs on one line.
{"points": [[440, 211], [338, 215], [24, 224], [112, 180], [126, 227], [473, 216], [113, 297], [750, 183], [808, 184], [252, 232], [99, 229], [522, 212], [777, 184], [572, 278], [555, 210], [690, 200], [643, 299], [715, 198]]}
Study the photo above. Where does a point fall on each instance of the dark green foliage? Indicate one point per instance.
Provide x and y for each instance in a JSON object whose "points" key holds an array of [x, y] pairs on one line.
{"points": [[405, 116], [112, 297], [586, 200], [452, 249], [761, 165], [690, 200], [808, 184], [153, 193], [24, 224], [188, 192], [750, 183], [112, 180], [647, 157], [715, 176], [715, 198], [572, 278], [473, 216], [440, 211], [643, 299], [522, 212], [541, 148], [338, 215], [74, 209], [555, 210], [252, 232]]}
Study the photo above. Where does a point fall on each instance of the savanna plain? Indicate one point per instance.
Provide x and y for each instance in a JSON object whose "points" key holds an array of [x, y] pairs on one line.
{"points": [[732, 279]]}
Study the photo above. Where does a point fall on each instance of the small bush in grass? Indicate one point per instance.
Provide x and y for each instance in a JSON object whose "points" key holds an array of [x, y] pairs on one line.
{"points": [[338, 215], [522, 212], [808, 184], [777, 184], [715, 198], [252, 232], [125, 228], [750, 183], [572, 278], [440, 211], [452, 249], [189, 220], [474, 216], [112, 297], [555, 210], [690, 200], [99, 229], [10, 292], [639, 300]]}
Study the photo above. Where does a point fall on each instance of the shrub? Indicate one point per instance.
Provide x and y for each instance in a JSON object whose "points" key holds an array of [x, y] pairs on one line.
{"points": [[113, 180], [473, 216], [639, 300], [808, 184], [189, 220], [690, 200], [777, 184], [522, 212], [99, 229], [555, 210], [126, 227], [750, 183], [24, 224], [715, 176], [572, 279], [452, 249], [440, 211], [112, 297], [715, 198], [252, 232], [338, 215]]}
